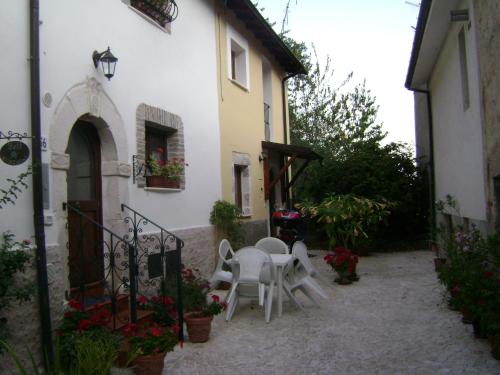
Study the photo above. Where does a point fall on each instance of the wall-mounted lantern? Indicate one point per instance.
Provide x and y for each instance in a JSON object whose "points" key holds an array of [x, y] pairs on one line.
{"points": [[108, 62]]}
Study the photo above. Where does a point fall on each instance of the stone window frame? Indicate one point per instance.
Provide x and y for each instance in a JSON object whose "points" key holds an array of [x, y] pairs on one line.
{"points": [[242, 159], [162, 120]]}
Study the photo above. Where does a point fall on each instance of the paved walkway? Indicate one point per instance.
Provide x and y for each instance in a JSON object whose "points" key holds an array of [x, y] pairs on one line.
{"points": [[393, 321]]}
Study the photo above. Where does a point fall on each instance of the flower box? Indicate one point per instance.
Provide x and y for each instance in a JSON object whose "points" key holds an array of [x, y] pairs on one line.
{"points": [[162, 182]]}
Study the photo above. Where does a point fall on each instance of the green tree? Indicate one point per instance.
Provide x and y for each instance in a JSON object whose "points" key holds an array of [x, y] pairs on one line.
{"points": [[341, 125]]}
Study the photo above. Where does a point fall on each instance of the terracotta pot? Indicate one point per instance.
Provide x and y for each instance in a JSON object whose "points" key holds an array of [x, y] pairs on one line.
{"points": [[343, 278], [495, 346], [162, 182], [149, 364], [198, 326], [439, 264]]}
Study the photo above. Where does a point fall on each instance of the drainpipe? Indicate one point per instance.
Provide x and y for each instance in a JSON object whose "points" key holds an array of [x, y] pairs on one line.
{"points": [[41, 253], [432, 193], [285, 128]]}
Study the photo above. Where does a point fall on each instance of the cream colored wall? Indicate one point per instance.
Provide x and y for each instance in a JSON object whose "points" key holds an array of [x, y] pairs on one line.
{"points": [[242, 114]]}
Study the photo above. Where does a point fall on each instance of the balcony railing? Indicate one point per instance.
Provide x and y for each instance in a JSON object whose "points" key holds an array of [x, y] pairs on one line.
{"points": [[161, 11]]}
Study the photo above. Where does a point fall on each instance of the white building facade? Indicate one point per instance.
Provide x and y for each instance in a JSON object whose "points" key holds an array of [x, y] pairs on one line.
{"points": [[98, 134], [455, 76]]}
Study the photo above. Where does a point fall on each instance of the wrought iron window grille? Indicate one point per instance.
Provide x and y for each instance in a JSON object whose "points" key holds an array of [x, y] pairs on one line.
{"points": [[161, 11]]}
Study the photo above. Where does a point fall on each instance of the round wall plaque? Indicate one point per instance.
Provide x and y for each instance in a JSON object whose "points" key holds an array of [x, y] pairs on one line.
{"points": [[14, 153]]}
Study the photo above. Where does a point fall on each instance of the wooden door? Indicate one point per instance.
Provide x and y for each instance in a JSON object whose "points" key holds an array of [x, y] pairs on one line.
{"points": [[84, 192]]}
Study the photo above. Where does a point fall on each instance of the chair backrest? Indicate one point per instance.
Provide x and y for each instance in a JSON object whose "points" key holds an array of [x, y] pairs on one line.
{"points": [[224, 249], [248, 263], [299, 251], [272, 245]]}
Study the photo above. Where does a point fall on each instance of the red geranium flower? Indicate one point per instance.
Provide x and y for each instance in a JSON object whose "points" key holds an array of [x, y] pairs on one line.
{"points": [[74, 304], [129, 329], [215, 298], [167, 301], [155, 331], [83, 325], [142, 300], [176, 329]]}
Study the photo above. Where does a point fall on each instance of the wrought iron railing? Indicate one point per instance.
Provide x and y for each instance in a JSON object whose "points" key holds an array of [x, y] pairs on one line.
{"points": [[96, 250], [162, 11], [158, 259], [106, 269]]}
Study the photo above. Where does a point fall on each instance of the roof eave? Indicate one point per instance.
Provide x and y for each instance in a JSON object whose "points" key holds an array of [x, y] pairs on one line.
{"points": [[261, 29], [423, 16]]}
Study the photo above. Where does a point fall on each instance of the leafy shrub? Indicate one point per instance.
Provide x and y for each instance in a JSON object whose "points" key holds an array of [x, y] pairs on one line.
{"points": [[225, 216], [347, 219]]}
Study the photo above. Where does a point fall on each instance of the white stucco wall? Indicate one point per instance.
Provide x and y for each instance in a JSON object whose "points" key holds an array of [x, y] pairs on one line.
{"points": [[458, 134], [15, 108], [174, 71]]}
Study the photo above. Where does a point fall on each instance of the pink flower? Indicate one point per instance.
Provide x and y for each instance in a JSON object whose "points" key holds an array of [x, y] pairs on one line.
{"points": [[26, 242]]}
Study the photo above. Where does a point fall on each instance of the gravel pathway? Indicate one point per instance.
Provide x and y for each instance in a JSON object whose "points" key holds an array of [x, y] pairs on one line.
{"points": [[393, 321]]}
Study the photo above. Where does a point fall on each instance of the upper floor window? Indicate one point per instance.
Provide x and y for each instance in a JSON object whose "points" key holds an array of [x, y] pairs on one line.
{"points": [[237, 58], [464, 72]]}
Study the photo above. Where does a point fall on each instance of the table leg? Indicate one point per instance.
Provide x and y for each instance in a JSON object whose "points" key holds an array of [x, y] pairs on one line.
{"points": [[280, 290]]}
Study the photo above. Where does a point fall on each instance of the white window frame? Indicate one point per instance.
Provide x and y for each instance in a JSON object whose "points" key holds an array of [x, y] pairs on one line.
{"points": [[236, 42]]}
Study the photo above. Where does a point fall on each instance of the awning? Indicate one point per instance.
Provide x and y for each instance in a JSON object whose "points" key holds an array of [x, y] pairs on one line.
{"points": [[291, 152]]}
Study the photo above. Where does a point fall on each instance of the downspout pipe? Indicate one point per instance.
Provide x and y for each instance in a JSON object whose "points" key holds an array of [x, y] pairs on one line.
{"points": [[41, 252], [285, 128], [432, 192]]}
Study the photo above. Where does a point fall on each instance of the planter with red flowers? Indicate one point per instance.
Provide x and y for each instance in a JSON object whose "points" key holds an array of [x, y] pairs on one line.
{"points": [[199, 323], [149, 346], [344, 262]]}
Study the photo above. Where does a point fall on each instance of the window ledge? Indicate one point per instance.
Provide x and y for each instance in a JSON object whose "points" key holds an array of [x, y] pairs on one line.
{"points": [[165, 29], [239, 85], [162, 190]]}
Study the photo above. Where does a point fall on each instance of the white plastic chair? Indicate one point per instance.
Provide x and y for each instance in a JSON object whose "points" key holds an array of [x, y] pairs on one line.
{"points": [[248, 264], [219, 274], [299, 251], [272, 245], [300, 277]]}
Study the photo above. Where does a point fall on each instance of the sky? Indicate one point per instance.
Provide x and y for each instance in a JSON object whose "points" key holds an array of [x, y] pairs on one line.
{"points": [[371, 38]]}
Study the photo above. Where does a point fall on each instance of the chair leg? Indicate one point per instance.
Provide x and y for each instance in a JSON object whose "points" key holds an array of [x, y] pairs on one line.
{"points": [[269, 302], [231, 307], [291, 296], [308, 294]]}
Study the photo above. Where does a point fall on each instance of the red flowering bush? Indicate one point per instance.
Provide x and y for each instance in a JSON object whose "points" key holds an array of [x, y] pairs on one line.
{"points": [[164, 308], [153, 340], [342, 260], [214, 308], [78, 325]]}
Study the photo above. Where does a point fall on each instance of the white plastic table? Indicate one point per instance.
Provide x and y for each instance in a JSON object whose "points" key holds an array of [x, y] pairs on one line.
{"points": [[280, 261]]}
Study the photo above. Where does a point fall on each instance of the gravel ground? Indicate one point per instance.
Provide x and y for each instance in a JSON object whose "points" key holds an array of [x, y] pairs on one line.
{"points": [[393, 321]]}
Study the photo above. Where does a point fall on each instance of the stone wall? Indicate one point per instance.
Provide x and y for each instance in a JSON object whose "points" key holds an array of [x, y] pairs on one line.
{"points": [[488, 39], [254, 231]]}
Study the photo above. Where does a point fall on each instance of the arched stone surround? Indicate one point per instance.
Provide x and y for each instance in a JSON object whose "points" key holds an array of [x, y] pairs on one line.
{"points": [[88, 101]]}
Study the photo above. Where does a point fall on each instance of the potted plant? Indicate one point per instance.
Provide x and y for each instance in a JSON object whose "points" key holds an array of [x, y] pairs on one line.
{"points": [[343, 261], [199, 323], [149, 347], [164, 173]]}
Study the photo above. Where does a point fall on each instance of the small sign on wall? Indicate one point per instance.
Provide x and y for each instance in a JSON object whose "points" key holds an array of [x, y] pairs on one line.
{"points": [[14, 153]]}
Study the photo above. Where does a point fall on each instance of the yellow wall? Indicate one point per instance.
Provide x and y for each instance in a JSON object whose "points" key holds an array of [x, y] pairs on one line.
{"points": [[242, 113]]}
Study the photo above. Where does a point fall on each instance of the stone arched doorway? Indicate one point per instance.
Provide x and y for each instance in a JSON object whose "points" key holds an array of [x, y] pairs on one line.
{"points": [[87, 103]]}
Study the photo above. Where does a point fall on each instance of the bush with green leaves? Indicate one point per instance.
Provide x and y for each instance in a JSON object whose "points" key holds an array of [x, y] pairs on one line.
{"points": [[347, 219], [14, 286], [226, 217]]}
